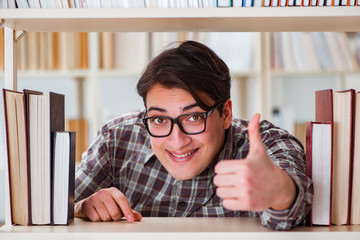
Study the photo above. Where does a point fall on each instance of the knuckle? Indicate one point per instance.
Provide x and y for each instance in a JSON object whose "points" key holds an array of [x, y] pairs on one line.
{"points": [[94, 217]]}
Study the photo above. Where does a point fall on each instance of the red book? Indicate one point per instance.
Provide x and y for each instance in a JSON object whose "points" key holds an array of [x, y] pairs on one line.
{"points": [[324, 105]]}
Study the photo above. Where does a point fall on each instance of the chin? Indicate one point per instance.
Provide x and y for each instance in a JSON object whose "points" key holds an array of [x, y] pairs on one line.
{"points": [[182, 176]]}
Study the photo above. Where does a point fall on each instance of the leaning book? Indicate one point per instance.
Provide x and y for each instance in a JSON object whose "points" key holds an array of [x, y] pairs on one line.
{"points": [[15, 122], [63, 185]]}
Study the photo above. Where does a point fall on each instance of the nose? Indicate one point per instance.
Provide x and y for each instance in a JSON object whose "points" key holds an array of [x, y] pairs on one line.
{"points": [[177, 138]]}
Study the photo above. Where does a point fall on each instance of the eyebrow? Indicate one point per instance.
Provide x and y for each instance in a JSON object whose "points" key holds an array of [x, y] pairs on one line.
{"points": [[164, 110]]}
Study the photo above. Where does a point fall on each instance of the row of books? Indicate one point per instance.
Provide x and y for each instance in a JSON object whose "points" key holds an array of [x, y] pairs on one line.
{"points": [[290, 51], [333, 157], [170, 3], [50, 51], [41, 158], [314, 51]]}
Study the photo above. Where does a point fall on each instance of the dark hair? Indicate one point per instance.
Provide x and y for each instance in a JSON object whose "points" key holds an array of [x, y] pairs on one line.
{"points": [[191, 66]]}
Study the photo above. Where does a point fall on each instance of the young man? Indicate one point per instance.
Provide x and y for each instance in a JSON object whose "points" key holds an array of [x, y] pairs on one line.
{"points": [[185, 155]]}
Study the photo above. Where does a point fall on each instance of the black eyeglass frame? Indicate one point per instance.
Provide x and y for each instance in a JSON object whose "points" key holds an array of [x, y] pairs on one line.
{"points": [[176, 120]]}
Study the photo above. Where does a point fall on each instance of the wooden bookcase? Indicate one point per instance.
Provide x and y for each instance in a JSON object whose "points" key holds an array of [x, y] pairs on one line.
{"points": [[264, 20]]}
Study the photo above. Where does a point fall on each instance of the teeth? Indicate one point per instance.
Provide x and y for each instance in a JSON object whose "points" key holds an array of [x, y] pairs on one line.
{"points": [[184, 155]]}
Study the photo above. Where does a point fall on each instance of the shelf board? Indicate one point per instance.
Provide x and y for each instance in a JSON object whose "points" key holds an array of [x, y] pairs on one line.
{"points": [[262, 19], [311, 73], [50, 74]]}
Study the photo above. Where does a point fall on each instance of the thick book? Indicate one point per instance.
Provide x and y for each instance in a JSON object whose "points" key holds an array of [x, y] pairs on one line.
{"points": [[355, 199], [63, 178], [27, 94], [319, 155], [15, 122], [39, 152], [343, 117]]}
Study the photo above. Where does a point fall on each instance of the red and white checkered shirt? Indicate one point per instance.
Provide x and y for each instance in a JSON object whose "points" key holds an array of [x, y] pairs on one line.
{"points": [[121, 156]]}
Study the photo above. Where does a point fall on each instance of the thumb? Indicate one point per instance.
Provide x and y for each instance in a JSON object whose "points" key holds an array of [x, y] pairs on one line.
{"points": [[255, 140]]}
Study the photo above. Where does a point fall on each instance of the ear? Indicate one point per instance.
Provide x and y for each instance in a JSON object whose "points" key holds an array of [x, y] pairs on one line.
{"points": [[227, 114]]}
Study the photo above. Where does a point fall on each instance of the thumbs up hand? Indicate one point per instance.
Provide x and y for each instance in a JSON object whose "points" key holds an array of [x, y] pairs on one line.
{"points": [[254, 183]]}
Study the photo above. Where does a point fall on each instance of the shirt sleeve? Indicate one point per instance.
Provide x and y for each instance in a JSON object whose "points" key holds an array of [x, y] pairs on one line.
{"points": [[94, 172], [288, 154]]}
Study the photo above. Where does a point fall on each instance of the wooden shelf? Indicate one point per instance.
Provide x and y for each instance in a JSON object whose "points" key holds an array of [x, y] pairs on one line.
{"points": [[177, 228], [311, 73], [272, 19]]}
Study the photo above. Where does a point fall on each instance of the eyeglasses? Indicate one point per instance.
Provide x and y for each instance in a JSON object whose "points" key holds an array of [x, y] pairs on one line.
{"points": [[189, 123]]}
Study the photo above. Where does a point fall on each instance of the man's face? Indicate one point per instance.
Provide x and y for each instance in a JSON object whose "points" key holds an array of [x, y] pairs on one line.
{"points": [[186, 156]]}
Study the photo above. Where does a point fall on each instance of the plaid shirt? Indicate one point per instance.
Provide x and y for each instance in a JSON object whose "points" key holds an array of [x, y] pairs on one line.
{"points": [[121, 156]]}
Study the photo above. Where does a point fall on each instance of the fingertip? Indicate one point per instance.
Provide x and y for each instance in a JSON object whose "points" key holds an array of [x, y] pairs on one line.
{"points": [[137, 216], [130, 218]]}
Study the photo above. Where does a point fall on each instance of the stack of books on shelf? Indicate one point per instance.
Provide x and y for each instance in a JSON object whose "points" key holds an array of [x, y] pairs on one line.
{"points": [[41, 158], [171, 3], [313, 52], [53, 51], [333, 157]]}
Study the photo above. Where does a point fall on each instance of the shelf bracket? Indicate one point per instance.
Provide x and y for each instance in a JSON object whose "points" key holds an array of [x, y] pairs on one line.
{"points": [[2, 21], [18, 35]]}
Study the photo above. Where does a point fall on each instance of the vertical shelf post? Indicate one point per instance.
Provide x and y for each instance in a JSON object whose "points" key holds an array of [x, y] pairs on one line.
{"points": [[93, 97], [265, 75], [10, 82], [10, 57]]}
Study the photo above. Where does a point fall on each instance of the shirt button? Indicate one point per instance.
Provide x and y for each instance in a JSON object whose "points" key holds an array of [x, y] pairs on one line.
{"points": [[182, 204]]}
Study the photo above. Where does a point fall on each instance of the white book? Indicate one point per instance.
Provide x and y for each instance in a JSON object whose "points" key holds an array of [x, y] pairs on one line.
{"points": [[3, 4], [183, 4], [352, 3], [313, 2], [22, 4], [321, 2], [39, 112], [212, 3], [63, 177], [343, 2], [283, 3], [248, 3], [257, 3], [306, 2], [58, 4], [336, 2], [50, 3], [328, 2], [106, 3], [65, 4], [267, 3], [291, 2], [237, 3], [275, 3], [321, 165], [298, 2], [224, 3]]}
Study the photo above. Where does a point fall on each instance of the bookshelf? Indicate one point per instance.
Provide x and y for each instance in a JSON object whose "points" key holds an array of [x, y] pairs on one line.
{"points": [[264, 20], [177, 228]]}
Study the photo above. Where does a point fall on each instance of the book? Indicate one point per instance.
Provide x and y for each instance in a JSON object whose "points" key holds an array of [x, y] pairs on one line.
{"points": [[319, 168], [63, 183], [224, 3], [324, 105], [343, 104], [355, 197], [34, 144], [15, 122], [40, 168]]}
